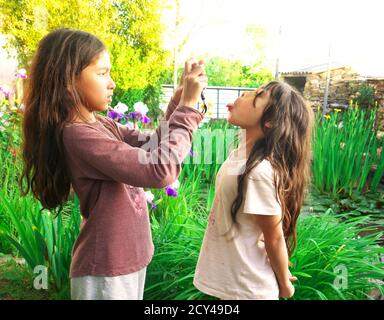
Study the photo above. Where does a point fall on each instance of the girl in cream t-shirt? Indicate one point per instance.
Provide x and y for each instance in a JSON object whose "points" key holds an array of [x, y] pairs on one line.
{"points": [[251, 230]]}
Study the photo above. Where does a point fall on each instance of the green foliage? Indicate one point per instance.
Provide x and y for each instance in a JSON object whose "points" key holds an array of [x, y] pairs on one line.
{"points": [[210, 146], [224, 72], [326, 241], [333, 260], [10, 135], [326, 246], [254, 76], [17, 282], [41, 239], [364, 96], [233, 73], [131, 30], [345, 148]]}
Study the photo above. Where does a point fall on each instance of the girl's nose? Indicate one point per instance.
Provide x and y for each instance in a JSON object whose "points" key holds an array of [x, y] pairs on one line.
{"points": [[112, 84]]}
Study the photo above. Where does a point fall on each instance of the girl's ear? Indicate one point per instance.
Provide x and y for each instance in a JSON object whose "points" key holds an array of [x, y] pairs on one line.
{"points": [[268, 125]]}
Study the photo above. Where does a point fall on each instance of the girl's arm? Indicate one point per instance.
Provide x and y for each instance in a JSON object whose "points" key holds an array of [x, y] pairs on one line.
{"points": [[134, 137], [95, 155], [277, 251]]}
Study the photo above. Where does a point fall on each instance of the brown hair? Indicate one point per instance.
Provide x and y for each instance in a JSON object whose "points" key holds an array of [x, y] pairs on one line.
{"points": [[51, 100], [287, 145]]}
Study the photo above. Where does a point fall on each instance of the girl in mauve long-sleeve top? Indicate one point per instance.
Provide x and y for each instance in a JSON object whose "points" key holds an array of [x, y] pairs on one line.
{"points": [[107, 164]]}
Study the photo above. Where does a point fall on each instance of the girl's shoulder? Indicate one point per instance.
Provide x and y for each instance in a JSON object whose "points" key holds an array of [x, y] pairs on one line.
{"points": [[99, 119], [262, 171], [101, 124]]}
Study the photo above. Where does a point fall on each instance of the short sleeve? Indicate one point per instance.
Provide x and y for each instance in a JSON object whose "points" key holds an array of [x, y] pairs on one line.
{"points": [[260, 196]]}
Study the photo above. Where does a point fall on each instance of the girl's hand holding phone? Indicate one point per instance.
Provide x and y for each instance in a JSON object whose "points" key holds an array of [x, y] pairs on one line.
{"points": [[193, 84]]}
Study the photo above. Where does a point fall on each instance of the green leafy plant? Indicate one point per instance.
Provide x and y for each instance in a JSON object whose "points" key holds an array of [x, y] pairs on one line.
{"points": [[345, 148], [41, 239], [364, 96], [332, 260]]}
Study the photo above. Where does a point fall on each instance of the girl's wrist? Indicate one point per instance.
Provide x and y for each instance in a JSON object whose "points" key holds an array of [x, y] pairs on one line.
{"points": [[284, 283], [177, 95], [186, 103]]}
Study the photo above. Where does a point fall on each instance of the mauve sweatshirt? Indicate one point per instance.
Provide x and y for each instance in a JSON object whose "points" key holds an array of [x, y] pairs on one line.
{"points": [[109, 165]]}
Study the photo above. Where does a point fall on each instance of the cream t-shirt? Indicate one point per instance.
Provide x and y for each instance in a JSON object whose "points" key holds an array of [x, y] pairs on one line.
{"points": [[236, 265]]}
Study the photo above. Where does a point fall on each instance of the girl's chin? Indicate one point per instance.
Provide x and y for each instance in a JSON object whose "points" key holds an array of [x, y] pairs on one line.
{"points": [[103, 107], [231, 121]]}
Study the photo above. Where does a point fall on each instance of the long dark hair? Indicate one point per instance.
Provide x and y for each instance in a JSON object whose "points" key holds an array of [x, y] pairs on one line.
{"points": [[51, 100], [287, 145]]}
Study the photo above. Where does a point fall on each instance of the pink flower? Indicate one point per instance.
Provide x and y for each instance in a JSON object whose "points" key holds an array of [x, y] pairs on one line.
{"points": [[5, 90]]}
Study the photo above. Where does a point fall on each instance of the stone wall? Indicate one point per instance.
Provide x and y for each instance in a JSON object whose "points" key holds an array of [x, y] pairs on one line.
{"points": [[378, 85], [343, 82], [339, 88]]}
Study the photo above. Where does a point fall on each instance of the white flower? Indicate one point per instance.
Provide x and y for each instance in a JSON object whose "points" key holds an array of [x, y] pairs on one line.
{"points": [[22, 73], [149, 196], [121, 108], [1, 114], [130, 125], [141, 108], [175, 185]]}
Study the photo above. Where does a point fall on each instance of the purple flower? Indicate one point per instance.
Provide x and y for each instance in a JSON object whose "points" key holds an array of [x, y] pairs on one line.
{"points": [[134, 115], [144, 119], [191, 153], [137, 116], [170, 191], [115, 115]]}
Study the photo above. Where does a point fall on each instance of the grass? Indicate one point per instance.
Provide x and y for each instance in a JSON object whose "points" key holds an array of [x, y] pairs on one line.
{"points": [[16, 282], [326, 238]]}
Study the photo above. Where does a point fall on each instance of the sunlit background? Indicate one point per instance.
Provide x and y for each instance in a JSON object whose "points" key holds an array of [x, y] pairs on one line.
{"points": [[247, 29], [308, 28]]}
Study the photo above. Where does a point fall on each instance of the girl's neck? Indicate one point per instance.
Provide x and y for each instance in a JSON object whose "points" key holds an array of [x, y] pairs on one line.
{"points": [[85, 116], [251, 136]]}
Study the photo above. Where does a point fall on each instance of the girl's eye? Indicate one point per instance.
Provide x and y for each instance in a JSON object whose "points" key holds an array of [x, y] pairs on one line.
{"points": [[259, 93]]}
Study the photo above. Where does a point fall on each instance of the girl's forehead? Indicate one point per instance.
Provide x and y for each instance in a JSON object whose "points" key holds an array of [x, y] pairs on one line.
{"points": [[102, 60]]}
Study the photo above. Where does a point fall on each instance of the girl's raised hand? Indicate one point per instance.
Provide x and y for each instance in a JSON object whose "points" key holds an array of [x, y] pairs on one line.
{"points": [[194, 83], [179, 89]]}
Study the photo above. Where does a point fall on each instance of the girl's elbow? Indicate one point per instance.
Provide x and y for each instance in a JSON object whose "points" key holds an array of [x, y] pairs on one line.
{"points": [[166, 179], [274, 241]]}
